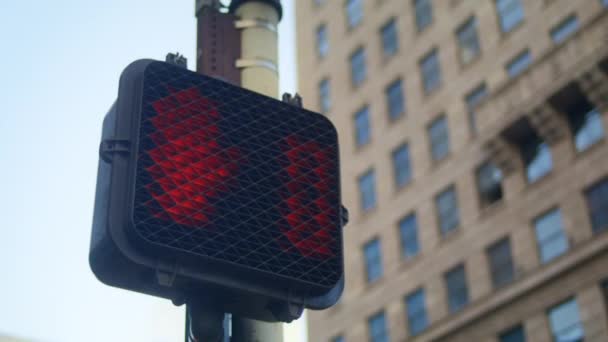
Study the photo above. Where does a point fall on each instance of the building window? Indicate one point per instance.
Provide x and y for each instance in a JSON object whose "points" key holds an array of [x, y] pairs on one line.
{"points": [[605, 290], [337, 339], [448, 214], [585, 124], [431, 71], [358, 70], [566, 323], [564, 29], [319, 3], [550, 237], [604, 2], [408, 229], [401, 165], [501, 263], [373, 260], [395, 99], [377, 328], [457, 290], [362, 127], [519, 64], [468, 41], [354, 12], [424, 13], [473, 100], [390, 41], [510, 12], [367, 190], [489, 184], [322, 41], [597, 202], [416, 312], [324, 96], [515, 334], [537, 158], [439, 138]]}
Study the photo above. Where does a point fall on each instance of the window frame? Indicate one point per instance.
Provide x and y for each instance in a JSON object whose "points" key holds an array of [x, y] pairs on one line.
{"points": [[358, 67], [363, 128], [402, 167], [389, 36], [579, 322], [444, 230], [462, 289], [467, 36], [354, 13], [324, 88], [408, 233], [372, 256], [443, 135], [423, 9], [503, 11], [394, 92], [519, 64], [497, 266], [558, 235], [363, 192], [384, 334], [430, 71], [564, 29], [601, 186], [420, 314]]}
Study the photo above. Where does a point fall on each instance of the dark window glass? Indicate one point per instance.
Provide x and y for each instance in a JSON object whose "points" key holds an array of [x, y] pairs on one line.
{"points": [[416, 312], [550, 237], [322, 41], [605, 290], [468, 41], [439, 138], [337, 339], [431, 71], [424, 13], [515, 334], [537, 158], [510, 12], [489, 184], [367, 190], [586, 125], [390, 41], [373, 260], [447, 210], [457, 290], [520, 63], [377, 328], [564, 29], [408, 228], [473, 100], [597, 202], [357, 67], [401, 165], [362, 127], [395, 100], [501, 263], [354, 12], [324, 96], [566, 323]]}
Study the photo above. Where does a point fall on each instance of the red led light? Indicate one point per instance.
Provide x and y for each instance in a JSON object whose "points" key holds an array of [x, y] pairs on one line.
{"points": [[190, 167], [311, 228]]}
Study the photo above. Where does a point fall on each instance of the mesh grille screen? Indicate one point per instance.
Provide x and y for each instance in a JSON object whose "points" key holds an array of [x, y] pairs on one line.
{"points": [[231, 175]]}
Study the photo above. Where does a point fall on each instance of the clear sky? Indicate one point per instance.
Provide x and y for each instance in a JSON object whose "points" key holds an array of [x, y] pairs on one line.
{"points": [[59, 69]]}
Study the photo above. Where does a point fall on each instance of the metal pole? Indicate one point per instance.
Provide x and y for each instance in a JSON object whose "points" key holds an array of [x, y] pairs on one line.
{"points": [[259, 72]]}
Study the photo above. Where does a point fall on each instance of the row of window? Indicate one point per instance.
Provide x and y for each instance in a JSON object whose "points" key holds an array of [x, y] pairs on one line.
{"points": [[429, 65], [549, 230], [585, 123], [564, 319]]}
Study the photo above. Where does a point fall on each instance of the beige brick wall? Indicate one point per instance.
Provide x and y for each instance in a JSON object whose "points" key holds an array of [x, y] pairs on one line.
{"points": [[553, 67]]}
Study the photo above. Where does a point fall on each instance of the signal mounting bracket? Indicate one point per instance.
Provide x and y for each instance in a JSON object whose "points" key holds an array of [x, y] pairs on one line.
{"points": [[109, 147]]}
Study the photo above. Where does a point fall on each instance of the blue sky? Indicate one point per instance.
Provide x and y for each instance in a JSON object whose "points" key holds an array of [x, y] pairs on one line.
{"points": [[60, 66]]}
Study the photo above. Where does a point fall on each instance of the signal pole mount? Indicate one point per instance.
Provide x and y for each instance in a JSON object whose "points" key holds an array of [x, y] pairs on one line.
{"points": [[248, 53]]}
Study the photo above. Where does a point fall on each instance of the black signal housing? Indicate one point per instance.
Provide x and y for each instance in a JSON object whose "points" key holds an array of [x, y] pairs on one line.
{"points": [[206, 189]]}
